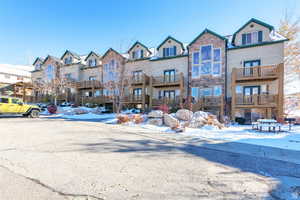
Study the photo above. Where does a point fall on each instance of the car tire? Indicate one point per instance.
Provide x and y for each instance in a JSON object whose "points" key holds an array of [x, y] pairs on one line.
{"points": [[34, 114]]}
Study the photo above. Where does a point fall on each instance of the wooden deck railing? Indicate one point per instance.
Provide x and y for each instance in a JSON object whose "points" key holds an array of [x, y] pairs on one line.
{"points": [[262, 99], [132, 98], [157, 80], [167, 101], [257, 72], [208, 101], [89, 84]]}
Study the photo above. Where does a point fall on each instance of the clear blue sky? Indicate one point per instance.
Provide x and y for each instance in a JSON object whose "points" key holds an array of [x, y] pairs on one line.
{"points": [[30, 28]]}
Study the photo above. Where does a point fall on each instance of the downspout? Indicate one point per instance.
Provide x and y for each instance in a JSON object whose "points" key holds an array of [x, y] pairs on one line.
{"points": [[226, 67], [188, 73]]}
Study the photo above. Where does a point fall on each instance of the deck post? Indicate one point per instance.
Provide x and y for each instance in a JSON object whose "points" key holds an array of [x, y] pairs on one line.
{"points": [[150, 92], [233, 95], [280, 90]]}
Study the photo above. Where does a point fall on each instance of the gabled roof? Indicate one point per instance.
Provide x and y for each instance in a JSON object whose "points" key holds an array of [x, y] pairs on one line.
{"points": [[210, 32], [38, 59], [51, 57], [136, 43], [91, 53], [270, 27], [111, 49], [170, 38], [75, 55]]}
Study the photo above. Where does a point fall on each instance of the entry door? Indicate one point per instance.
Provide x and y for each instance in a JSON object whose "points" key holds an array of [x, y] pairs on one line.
{"points": [[248, 67], [169, 76], [169, 94], [249, 91], [137, 93]]}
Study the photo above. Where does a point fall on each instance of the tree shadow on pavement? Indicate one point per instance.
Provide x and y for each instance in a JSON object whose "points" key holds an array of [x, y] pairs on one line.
{"points": [[242, 162]]}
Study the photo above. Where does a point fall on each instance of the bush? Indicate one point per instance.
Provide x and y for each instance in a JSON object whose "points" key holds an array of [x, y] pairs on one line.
{"points": [[240, 120]]}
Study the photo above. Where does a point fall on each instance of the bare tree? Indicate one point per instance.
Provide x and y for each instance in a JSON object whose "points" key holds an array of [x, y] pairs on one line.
{"points": [[290, 28]]}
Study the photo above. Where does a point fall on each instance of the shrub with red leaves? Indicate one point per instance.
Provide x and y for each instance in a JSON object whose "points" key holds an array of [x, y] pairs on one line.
{"points": [[164, 108], [52, 109]]}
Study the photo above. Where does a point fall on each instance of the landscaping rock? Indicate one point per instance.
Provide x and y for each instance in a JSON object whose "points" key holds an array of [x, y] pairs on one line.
{"points": [[156, 114], [155, 121], [184, 114], [123, 119], [80, 111], [137, 118], [200, 114], [171, 121]]}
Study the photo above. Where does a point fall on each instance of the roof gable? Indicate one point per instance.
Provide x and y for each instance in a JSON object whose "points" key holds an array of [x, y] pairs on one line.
{"points": [[91, 53], [252, 20], [51, 57], [37, 59], [138, 43], [75, 55], [109, 50], [210, 32], [170, 38]]}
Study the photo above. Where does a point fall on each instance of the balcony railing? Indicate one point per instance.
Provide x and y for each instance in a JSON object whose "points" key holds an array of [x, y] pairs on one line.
{"points": [[89, 84], [97, 100], [167, 101], [257, 72], [166, 80], [133, 98], [208, 101], [137, 79], [261, 99]]}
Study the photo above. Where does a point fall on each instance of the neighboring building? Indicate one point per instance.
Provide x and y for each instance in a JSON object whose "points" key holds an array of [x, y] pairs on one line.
{"points": [[239, 75]]}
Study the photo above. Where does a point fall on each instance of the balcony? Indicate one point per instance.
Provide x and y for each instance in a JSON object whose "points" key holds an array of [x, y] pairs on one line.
{"points": [[96, 100], [166, 101], [89, 84], [133, 99], [256, 73], [137, 80], [258, 100], [167, 80]]}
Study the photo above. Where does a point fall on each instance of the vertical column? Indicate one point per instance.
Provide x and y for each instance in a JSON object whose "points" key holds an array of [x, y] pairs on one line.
{"points": [[144, 93], [233, 95], [181, 89], [150, 92], [280, 90]]}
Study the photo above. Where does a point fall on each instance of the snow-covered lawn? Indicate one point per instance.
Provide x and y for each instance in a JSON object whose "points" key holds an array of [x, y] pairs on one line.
{"points": [[235, 133]]}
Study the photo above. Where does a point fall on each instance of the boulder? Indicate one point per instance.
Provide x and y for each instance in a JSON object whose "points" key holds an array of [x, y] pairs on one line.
{"points": [[184, 114], [80, 111], [137, 118], [123, 119], [200, 114], [171, 121], [155, 121], [156, 114]]}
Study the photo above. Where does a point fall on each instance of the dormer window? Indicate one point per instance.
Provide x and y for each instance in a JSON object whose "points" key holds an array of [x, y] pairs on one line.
{"points": [[37, 66], [252, 38], [169, 51], [92, 62], [68, 60], [138, 54]]}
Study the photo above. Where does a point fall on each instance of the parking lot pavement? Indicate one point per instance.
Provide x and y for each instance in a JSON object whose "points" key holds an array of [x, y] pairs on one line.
{"points": [[65, 159]]}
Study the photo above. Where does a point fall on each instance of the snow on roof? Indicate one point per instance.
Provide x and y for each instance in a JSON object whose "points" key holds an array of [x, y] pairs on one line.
{"points": [[21, 70]]}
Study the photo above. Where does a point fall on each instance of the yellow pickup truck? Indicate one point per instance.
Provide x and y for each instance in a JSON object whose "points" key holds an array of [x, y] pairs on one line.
{"points": [[11, 105]]}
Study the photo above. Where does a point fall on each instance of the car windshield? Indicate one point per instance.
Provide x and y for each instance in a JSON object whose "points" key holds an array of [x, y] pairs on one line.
{"points": [[16, 101], [3, 100]]}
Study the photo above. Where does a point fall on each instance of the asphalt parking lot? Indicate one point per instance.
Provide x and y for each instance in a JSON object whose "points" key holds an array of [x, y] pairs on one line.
{"points": [[64, 159]]}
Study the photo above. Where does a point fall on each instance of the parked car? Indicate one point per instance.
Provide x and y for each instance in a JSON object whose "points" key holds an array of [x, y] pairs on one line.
{"points": [[65, 104], [12, 105]]}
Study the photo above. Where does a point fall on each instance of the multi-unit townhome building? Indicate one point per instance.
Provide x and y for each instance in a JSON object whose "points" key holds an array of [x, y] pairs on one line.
{"points": [[240, 75]]}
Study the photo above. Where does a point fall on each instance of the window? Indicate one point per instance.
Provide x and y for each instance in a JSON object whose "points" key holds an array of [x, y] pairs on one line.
{"points": [[206, 68], [205, 92], [252, 38], [169, 75], [169, 94], [50, 72], [196, 58], [195, 71], [37, 66], [206, 52], [92, 78], [16, 101], [138, 54], [169, 51], [97, 93], [137, 92], [195, 92], [68, 76], [92, 62], [217, 90], [137, 75], [68, 60], [3, 100]]}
